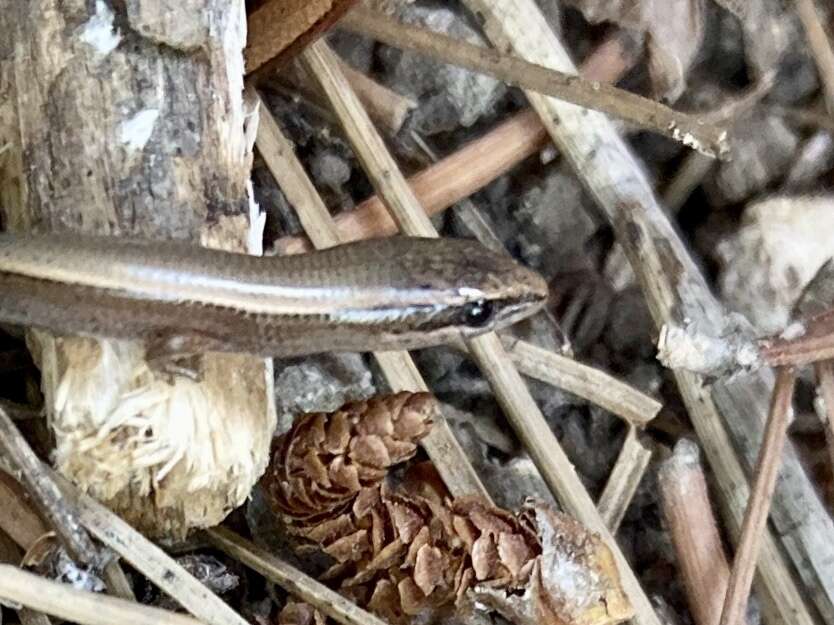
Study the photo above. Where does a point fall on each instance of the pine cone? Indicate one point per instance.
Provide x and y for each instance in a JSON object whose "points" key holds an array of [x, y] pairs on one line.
{"points": [[574, 577], [403, 555], [324, 460]]}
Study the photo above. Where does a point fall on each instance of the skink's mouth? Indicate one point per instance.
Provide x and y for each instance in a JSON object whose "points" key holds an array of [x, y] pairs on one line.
{"points": [[518, 311]]}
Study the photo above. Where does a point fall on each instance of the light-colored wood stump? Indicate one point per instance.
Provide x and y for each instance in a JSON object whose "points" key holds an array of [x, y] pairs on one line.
{"points": [[128, 118]]}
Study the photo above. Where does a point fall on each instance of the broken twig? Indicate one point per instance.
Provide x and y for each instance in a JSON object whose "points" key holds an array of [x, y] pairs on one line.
{"points": [[696, 133], [79, 606], [29, 470], [624, 479], [694, 532], [291, 579], [755, 517]]}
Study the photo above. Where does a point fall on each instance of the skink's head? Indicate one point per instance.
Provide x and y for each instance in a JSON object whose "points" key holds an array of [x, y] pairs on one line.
{"points": [[496, 291], [459, 287]]}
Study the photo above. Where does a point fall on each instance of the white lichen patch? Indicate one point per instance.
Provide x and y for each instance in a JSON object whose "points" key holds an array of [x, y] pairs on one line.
{"points": [[691, 349], [98, 32], [135, 132], [793, 331]]}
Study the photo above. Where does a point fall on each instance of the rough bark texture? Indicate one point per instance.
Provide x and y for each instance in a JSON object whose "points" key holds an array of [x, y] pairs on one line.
{"points": [[128, 118]]}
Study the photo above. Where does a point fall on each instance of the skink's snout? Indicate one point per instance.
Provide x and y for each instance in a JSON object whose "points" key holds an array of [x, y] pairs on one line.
{"points": [[505, 290], [525, 294]]}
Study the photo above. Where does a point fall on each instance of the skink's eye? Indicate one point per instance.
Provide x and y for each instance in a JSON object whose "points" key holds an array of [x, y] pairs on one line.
{"points": [[477, 314]]}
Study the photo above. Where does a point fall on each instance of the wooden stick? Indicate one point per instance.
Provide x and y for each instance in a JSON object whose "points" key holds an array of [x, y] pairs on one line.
{"points": [[512, 393], [149, 560], [695, 133], [473, 166], [623, 480], [755, 518], [440, 185], [117, 582], [79, 606], [291, 579], [583, 381], [47, 495], [825, 380], [820, 45], [688, 513], [694, 532], [385, 106], [397, 367]]}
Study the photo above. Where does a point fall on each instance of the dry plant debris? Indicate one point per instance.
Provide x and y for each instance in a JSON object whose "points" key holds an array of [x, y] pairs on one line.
{"points": [[409, 551]]}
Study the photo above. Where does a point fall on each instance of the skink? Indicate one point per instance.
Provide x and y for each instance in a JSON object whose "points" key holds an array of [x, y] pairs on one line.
{"points": [[385, 294]]}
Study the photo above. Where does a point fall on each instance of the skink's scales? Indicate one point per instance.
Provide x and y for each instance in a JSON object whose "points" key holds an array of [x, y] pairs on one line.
{"points": [[384, 294]]}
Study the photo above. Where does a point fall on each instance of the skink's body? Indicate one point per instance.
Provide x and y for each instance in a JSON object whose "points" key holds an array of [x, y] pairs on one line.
{"points": [[398, 293]]}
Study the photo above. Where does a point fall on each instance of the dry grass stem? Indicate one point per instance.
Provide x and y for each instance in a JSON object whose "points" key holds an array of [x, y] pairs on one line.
{"points": [[29, 470], [150, 560], [623, 480], [78, 606], [291, 579], [755, 518], [473, 166], [386, 107], [439, 186], [825, 380], [117, 582], [398, 367], [694, 532], [675, 289], [368, 146], [820, 44], [688, 177], [583, 381], [512, 393], [695, 133]]}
